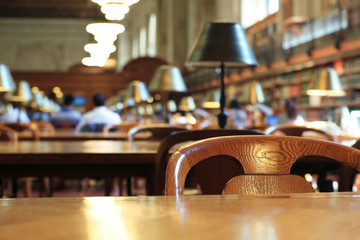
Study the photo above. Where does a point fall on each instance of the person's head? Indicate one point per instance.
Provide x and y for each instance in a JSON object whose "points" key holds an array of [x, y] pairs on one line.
{"points": [[99, 99], [291, 109], [68, 100], [234, 104]]}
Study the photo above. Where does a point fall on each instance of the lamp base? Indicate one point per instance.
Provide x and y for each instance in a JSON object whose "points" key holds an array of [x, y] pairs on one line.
{"points": [[222, 119]]}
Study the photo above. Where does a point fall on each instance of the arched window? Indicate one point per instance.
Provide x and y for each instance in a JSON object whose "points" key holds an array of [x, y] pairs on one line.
{"points": [[256, 10]]}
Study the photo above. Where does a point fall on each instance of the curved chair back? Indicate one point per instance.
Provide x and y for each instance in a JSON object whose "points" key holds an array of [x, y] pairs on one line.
{"points": [[25, 128], [93, 127], [66, 126], [44, 126], [260, 156], [122, 127], [158, 131], [220, 169], [8, 134], [298, 131]]}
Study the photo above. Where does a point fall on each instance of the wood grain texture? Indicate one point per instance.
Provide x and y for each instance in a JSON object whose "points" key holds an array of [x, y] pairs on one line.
{"points": [[267, 184], [257, 155], [158, 131], [202, 172], [298, 131], [294, 216]]}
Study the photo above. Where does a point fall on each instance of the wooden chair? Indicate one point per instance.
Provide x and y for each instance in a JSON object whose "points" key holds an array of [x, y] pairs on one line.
{"points": [[30, 130], [293, 130], [158, 131], [25, 129], [221, 169], [43, 126], [122, 127], [311, 165], [65, 126], [266, 161], [6, 134]]}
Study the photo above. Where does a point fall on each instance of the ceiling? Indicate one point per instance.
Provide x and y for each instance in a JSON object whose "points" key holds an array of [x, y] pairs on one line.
{"points": [[83, 9]]}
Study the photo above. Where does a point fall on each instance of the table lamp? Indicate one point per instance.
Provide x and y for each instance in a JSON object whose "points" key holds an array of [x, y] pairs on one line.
{"points": [[166, 81], [136, 93], [187, 104], [211, 100], [254, 95], [327, 84], [6, 81], [222, 44]]}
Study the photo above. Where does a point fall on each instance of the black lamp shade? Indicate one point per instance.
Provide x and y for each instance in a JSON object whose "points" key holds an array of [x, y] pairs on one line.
{"points": [[222, 42]]}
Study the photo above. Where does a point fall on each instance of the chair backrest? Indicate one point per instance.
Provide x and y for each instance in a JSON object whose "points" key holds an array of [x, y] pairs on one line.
{"points": [[220, 169], [8, 134], [122, 127], [43, 126], [62, 125], [298, 131], [24, 128], [93, 127], [260, 156], [158, 131]]}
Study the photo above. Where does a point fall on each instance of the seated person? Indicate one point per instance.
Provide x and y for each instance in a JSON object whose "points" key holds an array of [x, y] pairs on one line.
{"points": [[67, 113], [291, 114], [16, 115], [98, 117], [238, 118]]}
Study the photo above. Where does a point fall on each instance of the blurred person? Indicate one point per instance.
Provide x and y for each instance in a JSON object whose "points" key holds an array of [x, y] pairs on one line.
{"points": [[16, 115], [291, 114], [237, 118], [99, 116], [67, 113]]}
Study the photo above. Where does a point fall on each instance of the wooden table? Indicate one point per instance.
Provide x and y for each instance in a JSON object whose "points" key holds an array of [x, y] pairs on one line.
{"points": [[73, 136], [77, 158], [296, 216]]}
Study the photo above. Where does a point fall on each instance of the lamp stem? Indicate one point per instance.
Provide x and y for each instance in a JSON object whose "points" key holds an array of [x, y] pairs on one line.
{"points": [[222, 117]]}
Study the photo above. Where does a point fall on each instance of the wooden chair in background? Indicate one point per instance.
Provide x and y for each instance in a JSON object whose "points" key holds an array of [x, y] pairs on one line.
{"points": [[122, 127], [31, 131], [43, 127], [299, 131], [157, 131], [65, 126], [221, 169], [311, 164], [25, 129], [266, 160], [6, 134]]}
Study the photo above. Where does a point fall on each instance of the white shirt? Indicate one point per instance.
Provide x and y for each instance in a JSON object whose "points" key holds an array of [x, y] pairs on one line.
{"points": [[15, 116], [99, 115]]}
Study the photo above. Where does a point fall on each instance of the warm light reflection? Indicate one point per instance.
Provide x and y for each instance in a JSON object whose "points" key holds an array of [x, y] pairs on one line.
{"points": [[105, 28], [91, 61], [96, 48], [115, 8], [103, 215], [126, 2]]}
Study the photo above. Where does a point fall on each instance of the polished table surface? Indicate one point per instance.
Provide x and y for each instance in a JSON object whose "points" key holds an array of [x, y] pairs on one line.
{"points": [[77, 158], [82, 136], [295, 216]]}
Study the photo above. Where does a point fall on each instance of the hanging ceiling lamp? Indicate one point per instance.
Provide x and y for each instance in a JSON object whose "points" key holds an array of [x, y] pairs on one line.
{"points": [[115, 11], [96, 48], [102, 28], [125, 2]]}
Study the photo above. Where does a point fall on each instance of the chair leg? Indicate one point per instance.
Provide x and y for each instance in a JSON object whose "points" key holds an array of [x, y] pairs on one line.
{"points": [[14, 187], [1, 188], [129, 186], [28, 191], [108, 186]]}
